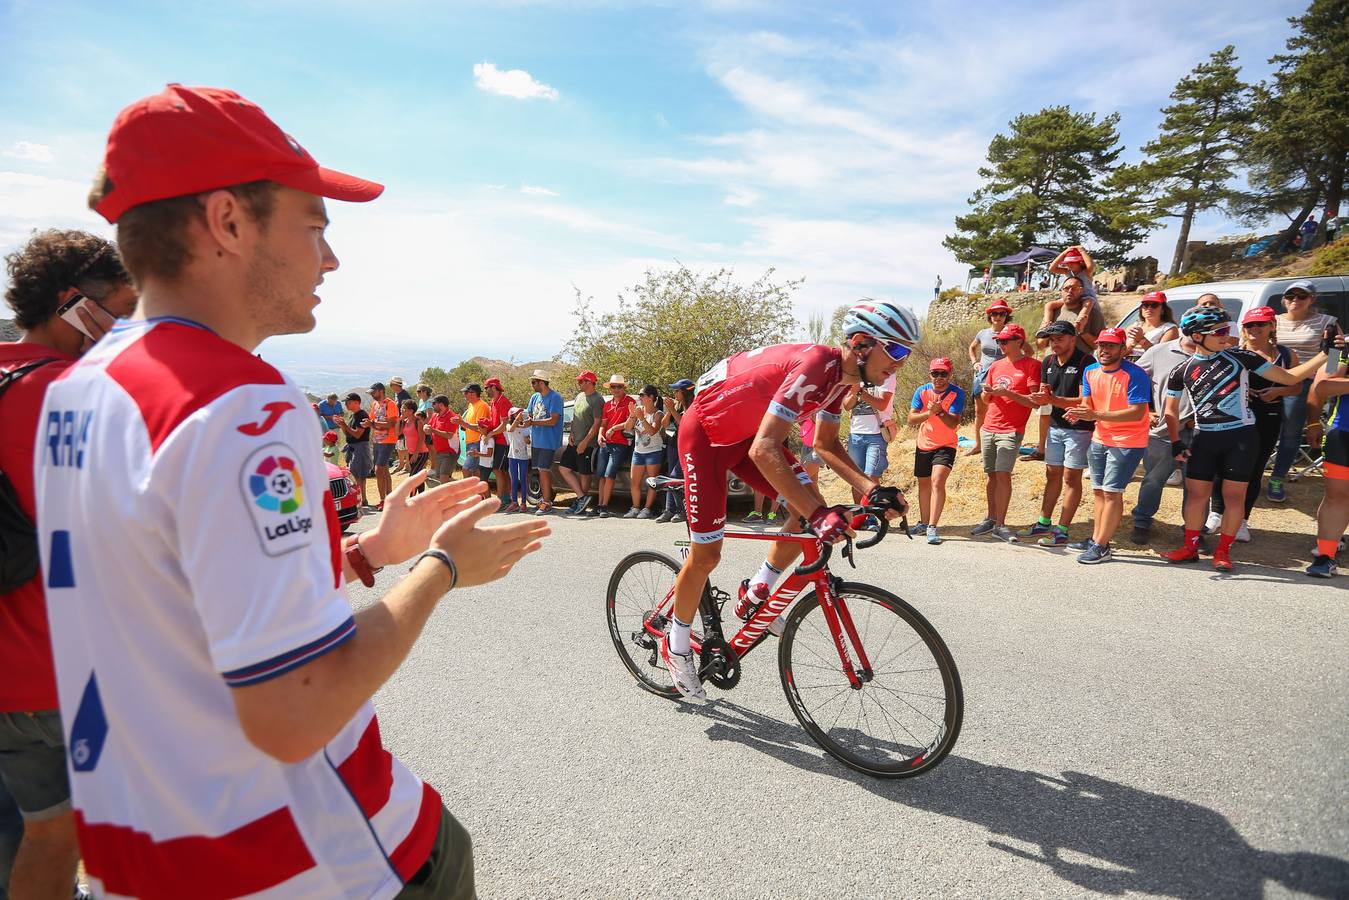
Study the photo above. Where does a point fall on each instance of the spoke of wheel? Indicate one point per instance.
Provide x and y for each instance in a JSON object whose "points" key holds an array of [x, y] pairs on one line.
{"points": [[918, 640], [908, 704], [889, 716], [886, 717]]}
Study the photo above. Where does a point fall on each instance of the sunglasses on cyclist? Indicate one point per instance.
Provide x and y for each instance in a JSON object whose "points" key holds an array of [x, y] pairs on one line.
{"points": [[894, 350]]}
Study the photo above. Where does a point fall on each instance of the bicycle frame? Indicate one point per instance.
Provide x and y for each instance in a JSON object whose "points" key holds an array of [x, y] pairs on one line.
{"points": [[752, 633]]}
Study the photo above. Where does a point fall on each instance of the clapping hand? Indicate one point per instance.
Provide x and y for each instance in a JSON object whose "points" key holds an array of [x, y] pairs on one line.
{"points": [[1077, 414], [409, 522], [484, 553]]}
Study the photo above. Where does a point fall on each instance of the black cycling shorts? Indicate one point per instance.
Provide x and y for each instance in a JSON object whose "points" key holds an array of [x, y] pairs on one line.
{"points": [[924, 460], [1225, 454], [1335, 449], [499, 456]]}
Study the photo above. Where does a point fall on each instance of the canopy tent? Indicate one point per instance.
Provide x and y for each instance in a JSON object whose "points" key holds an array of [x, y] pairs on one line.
{"points": [[1017, 267], [1028, 255]]}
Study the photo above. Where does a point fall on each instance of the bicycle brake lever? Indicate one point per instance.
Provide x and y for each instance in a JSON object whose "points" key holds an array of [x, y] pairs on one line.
{"points": [[904, 523], [848, 552]]}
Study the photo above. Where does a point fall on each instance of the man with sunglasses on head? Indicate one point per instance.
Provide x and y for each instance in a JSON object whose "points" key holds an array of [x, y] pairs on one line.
{"points": [[1008, 385], [1217, 379], [744, 409]]}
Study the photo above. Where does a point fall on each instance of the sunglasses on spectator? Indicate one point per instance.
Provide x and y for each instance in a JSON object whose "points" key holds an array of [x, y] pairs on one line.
{"points": [[937, 373], [1220, 331], [1150, 305], [1296, 295], [998, 312], [1005, 340]]}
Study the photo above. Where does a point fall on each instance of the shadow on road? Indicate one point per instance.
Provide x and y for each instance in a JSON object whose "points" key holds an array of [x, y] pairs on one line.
{"points": [[1097, 834]]}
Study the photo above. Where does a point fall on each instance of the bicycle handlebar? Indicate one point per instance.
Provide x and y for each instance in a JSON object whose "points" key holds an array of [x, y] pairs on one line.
{"points": [[827, 550]]}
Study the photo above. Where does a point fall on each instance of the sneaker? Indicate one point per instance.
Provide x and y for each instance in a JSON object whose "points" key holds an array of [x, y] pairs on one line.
{"points": [[678, 517], [932, 537], [1058, 537], [1182, 555], [543, 509], [920, 528], [771, 518], [983, 527], [747, 604], [1274, 490], [1035, 530], [1212, 524], [1321, 567], [754, 516], [1003, 533], [1175, 478], [591, 513], [1140, 535], [664, 517], [512, 508], [1080, 546], [579, 507], [1243, 533], [1222, 560], [646, 514], [632, 513], [684, 671], [1095, 553]]}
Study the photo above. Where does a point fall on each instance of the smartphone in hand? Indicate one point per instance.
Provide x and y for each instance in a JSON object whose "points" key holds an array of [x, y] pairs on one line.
{"points": [[70, 312]]}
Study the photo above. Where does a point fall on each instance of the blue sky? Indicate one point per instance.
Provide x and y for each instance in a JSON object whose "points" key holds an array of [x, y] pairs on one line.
{"points": [[530, 148]]}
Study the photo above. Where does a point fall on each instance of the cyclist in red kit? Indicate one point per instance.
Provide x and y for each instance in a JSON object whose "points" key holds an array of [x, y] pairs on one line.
{"points": [[745, 408]]}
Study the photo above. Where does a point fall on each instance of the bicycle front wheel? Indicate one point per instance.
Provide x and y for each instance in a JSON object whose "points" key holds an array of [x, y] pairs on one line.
{"points": [[906, 717]]}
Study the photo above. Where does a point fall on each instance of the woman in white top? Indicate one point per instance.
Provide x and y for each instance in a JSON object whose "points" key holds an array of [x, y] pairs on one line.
{"points": [[647, 423], [1156, 324], [1300, 330]]}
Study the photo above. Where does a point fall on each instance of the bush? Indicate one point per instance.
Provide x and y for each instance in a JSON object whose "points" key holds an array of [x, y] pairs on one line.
{"points": [[1332, 259], [1194, 276]]}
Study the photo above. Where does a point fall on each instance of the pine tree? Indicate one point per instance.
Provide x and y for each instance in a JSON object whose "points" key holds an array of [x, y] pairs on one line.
{"points": [[1046, 183], [1188, 168]]}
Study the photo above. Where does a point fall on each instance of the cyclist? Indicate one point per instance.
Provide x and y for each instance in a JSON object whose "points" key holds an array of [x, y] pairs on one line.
{"points": [[744, 409], [1332, 516], [1225, 440]]}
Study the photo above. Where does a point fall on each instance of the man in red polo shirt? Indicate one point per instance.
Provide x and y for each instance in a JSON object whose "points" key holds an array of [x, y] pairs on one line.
{"points": [[1008, 384], [54, 268], [615, 449], [500, 405]]}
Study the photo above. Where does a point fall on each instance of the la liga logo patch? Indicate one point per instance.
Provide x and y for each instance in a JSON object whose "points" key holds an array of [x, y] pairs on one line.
{"points": [[273, 491], [276, 485]]}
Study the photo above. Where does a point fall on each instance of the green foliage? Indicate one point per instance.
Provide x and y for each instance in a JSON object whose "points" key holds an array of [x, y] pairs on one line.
{"points": [[678, 323], [950, 293], [1050, 182], [1332, 259], [1194, 276], [1189, 166]]}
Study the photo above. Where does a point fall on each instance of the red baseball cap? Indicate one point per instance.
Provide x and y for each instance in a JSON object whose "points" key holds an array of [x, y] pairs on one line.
{"points": [[588, 376], [1009, 331], [997, 306], [1259, 314], [187, 140], [1154, 297], [1072, 256], [1110, 336], [940, 364], [492, 382]]}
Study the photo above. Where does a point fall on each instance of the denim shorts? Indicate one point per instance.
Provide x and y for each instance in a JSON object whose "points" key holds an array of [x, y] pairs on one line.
{"points": [[868, 451], [33, 763], [1067, 447], [1113, 467], [654, 458], [542, 459], [613, 457], [383, 454]]}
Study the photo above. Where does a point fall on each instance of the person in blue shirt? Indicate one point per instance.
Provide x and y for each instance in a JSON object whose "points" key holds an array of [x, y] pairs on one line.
{"points": [[544, 416], [329, 412]]}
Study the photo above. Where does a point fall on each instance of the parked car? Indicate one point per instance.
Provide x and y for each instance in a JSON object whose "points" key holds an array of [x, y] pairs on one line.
{"points": [[346, 496], [1240, 297], [735, 488]]}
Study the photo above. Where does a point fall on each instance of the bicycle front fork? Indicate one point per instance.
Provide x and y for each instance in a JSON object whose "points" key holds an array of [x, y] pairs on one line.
{"points": [[840, 623]]}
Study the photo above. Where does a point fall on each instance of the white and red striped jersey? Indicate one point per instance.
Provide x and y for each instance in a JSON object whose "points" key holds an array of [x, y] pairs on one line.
{"points": [[790, 381], [190, 547]]}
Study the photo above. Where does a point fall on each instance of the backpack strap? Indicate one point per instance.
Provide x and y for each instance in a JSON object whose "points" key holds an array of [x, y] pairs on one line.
{"points": [[7, 379]]}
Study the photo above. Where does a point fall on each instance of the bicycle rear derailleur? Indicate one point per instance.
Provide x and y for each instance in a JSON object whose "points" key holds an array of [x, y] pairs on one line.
{"points": [[719, 663]]}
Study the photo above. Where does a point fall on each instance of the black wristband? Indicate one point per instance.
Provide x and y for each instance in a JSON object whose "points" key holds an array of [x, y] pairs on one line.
{"points": [[445, 558]]}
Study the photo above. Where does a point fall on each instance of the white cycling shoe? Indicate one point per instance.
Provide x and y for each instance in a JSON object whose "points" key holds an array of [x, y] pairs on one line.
{"points": [[684, 671]]}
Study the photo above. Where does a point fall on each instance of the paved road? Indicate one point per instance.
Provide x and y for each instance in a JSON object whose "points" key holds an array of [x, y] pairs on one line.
{"points": [[1131, 728]]}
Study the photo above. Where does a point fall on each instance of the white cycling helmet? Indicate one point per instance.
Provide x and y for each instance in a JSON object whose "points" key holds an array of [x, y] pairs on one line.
{"points": [[886, 321]]}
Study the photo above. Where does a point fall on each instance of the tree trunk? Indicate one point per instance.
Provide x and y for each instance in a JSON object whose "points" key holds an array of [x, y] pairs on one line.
{"points": [[1286, 238], [1334, 194], [1179, 258]]}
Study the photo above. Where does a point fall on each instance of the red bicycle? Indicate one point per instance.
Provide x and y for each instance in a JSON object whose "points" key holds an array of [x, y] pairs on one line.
{"points": [[866, 675]]}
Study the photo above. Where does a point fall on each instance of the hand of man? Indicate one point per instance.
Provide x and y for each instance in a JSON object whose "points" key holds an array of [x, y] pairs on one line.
{"points": [[830, 523], [97, 321], [408, 523], [1080, 414], [1180, 450], [484, 553]]}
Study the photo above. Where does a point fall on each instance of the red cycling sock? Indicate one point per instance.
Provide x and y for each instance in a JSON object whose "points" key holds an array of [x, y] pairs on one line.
{"points": [[1191, 539], [1327, 548], [1225, 543]]}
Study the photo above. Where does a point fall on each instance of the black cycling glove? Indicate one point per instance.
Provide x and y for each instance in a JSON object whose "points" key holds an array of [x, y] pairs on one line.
{"points": [[1178, 449]]}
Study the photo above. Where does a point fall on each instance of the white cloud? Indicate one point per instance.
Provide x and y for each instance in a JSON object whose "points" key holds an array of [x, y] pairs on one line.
{"points": [[27, 150], [537, 191], [740, 196], [515, 83]]}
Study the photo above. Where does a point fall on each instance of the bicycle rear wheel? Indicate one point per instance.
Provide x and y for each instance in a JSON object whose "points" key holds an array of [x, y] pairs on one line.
{"points": [[901, 722], [640, 583]]}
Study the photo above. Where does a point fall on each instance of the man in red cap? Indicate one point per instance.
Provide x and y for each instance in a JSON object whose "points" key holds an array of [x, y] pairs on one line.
{"points": [[501, 414], [1008, 384], [212, 677], [577, 462]]}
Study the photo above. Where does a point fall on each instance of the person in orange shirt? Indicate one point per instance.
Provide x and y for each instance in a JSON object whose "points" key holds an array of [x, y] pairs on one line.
{"points": [[1115, 395], [383, 438], [935, 410], [475, 411]]}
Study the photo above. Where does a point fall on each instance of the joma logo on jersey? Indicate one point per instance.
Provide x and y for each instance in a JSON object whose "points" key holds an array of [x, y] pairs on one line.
{"points": [[68, 436]]}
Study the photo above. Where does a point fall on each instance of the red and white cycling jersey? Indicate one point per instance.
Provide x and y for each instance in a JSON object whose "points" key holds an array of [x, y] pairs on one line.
{"points": [[190, 548], [790, 381]]}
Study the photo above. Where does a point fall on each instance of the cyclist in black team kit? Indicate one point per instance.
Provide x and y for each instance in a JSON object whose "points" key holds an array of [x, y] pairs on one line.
{"points": [[1225, 439]]}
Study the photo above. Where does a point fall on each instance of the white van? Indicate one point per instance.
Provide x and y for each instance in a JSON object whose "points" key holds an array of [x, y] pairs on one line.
{"points": [[1239, 297]]}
